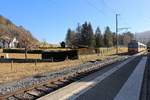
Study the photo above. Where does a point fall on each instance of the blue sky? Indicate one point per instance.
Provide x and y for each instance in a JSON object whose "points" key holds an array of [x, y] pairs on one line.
{"points": [[49, 19]]}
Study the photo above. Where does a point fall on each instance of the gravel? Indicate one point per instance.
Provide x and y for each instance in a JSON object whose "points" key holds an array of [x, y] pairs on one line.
{"points": [[44, 77]]}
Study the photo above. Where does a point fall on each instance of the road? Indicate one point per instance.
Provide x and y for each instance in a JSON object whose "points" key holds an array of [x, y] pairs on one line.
{"points": [[119, 81]]}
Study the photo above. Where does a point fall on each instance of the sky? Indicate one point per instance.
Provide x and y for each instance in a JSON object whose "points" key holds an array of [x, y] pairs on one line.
{"points": [[49, 20]]}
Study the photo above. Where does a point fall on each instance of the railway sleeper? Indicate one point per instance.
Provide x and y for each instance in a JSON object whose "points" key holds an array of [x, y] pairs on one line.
{"points": [[52, 86], [12, 98], [45, 89], [36, 93], [59, 83], [24, 96]]}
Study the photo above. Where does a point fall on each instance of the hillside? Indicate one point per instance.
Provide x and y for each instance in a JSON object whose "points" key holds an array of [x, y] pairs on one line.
{"points": [[9, 30], [143, 36]]}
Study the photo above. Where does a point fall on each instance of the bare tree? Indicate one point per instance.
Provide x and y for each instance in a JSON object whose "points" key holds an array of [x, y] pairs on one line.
{"points": [[26, 43]]}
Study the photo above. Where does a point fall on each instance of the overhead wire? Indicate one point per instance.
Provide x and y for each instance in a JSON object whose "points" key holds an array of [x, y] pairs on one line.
{"points": [[122, 19], [95, 7], [112, 10]]}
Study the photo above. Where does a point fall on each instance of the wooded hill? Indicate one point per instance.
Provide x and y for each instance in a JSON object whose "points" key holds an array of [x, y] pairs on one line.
{"points": [[9, 30], [143, 37]]}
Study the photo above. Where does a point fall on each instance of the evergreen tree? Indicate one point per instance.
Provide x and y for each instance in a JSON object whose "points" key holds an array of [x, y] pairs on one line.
{"points": [[71, 39], [63, 44], [91, 36], [98, 38], [114, 39], [108, 40], [83, 41], [78, 36], [68, 38], [86, 37]]}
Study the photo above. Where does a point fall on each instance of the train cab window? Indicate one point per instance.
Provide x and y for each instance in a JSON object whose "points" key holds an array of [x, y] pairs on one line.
{"points": [[135, 45], [130, 46]]}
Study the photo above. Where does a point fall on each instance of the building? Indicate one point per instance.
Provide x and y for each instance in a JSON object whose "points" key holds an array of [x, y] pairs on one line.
{"points": [[13, 43], [6, 42]]}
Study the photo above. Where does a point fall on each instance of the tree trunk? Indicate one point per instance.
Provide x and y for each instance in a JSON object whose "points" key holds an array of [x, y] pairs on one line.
{"points": [[25, 53]]}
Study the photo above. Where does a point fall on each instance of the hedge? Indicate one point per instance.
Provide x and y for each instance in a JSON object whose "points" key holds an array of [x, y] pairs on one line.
{"points": [[60, 55], [22, 51]]}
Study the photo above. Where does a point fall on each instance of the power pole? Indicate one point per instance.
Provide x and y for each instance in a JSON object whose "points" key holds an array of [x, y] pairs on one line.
{"points": [[117, 33]]}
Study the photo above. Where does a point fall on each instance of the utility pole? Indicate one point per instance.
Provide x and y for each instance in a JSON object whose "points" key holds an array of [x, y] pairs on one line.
{"points": [[117, 33], [118, 29]]}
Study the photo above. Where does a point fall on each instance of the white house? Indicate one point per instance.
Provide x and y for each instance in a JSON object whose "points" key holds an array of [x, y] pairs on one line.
{"points": [[6, 42], [13, 43]]}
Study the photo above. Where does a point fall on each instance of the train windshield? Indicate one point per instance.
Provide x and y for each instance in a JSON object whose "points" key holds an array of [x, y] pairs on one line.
{"points": [[133, 45]]}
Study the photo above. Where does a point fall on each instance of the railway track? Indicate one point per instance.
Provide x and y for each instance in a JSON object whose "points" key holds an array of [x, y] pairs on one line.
{"points": [[37, 91], [40, 89]]}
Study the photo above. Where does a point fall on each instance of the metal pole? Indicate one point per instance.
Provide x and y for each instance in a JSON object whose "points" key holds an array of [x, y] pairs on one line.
{"points": [[11, 65], [35, 62], [117, 33]]}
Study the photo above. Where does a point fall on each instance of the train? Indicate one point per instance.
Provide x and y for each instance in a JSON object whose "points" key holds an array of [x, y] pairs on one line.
{"points": [[136, 47]]}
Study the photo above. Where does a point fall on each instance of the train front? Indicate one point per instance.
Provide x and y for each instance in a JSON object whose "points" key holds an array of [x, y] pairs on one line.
{"points": [[133, 47]]}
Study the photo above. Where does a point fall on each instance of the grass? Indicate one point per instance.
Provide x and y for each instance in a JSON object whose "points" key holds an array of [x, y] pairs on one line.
{"points": [[21, 70]]}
